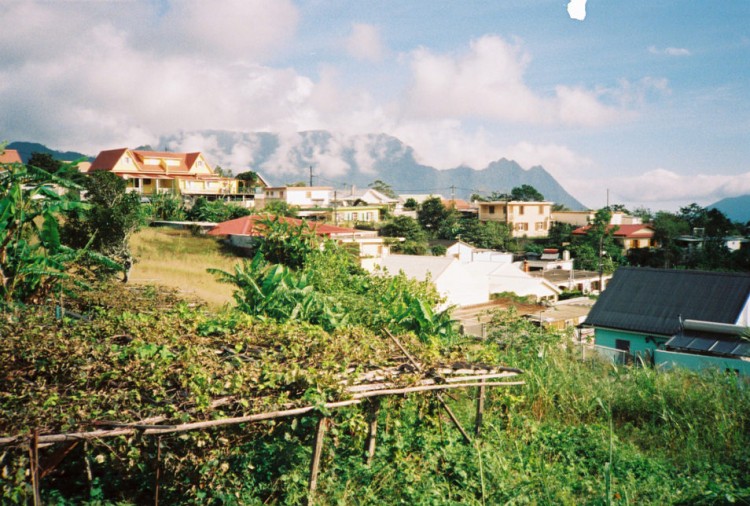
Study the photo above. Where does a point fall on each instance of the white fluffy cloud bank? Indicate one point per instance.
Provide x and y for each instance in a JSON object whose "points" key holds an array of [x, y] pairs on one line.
{"points": [[488, 82]]}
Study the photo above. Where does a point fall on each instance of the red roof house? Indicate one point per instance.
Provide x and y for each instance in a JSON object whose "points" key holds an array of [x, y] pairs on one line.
{"points": [[628, 236], [10, 156]]}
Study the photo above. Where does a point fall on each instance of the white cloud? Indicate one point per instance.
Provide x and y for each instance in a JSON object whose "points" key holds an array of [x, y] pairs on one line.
{"points": [[226, 29], [364, 43], [577, 9], [487, 82], [662, 189], [669, 51]]}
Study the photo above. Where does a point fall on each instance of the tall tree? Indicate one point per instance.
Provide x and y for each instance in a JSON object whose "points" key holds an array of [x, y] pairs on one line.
{"points": [[526, 193], [431, 215], [383, 188], [667, 228], [113, 216]]}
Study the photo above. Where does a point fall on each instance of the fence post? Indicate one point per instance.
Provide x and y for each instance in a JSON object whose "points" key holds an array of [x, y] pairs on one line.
{"points": [[374, 409], [480, 409], [315, 463]]}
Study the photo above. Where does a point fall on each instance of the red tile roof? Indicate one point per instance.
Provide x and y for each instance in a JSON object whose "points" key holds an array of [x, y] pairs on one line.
{"points": [[10, 156], [252, 225], [624, 231], [458, 204], [106, 160]]}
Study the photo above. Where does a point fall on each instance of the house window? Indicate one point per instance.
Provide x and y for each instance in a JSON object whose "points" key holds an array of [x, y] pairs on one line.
{"points": [[539, 225], [521, 227], [491, 209], [622, 344], [541, 209], [308, 194], [520, 210], [136, 183], [146, 181]]}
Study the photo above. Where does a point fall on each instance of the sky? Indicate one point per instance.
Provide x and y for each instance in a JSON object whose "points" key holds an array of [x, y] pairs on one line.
{"points": [[644, 103]]}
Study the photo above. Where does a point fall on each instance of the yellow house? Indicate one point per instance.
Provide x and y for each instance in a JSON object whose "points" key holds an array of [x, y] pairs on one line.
{"points": [[153, 172], [524, 219]]}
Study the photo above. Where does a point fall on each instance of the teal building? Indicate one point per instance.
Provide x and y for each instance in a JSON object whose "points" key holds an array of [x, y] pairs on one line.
{"points": [[670, 318]]}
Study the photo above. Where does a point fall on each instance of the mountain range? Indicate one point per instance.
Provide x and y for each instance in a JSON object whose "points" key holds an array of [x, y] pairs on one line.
{"points": [[342, 162], [736, 209], [358, 160]]}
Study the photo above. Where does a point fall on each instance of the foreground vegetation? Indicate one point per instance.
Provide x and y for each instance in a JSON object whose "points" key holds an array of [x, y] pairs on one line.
{"points": [[576, 433], [306, 319]]}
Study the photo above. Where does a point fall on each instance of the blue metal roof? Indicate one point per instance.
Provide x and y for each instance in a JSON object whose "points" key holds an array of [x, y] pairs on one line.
{"points": [[653, 301]]}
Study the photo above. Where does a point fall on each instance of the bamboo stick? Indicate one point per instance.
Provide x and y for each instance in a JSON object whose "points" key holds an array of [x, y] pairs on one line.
{"points": [[34, 464], [372, 430], [480, 409], [315, 462]]}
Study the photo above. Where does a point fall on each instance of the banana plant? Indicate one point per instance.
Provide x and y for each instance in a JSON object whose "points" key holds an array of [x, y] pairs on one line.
{"points": [[32, 259]]}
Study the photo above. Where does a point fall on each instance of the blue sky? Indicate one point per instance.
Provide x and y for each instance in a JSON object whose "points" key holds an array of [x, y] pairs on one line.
{"points": [[649, 99]]}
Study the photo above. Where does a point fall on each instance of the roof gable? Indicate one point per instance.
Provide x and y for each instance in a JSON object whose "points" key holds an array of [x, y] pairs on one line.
{"points": [[107, 160], [10, 156], [420, 267], [653, 301]]}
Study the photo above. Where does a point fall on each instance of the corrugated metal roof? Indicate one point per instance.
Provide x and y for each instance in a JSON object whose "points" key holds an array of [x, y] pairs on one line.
{"points": [[652, 301]]}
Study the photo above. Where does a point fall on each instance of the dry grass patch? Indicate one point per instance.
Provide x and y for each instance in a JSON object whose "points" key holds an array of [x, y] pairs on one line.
{"points": [[178, 259]]}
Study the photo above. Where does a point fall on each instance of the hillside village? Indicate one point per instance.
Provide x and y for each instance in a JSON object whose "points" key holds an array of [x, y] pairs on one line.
{"points": [[335, 287], [531, 249]]}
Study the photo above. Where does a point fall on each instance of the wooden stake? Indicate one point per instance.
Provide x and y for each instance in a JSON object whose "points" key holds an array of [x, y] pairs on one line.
{"points": [[372, 430], [158, 469], [480, 409], [454, 419], [56, 458], [34, 464], [315, 463], [439, 396]]}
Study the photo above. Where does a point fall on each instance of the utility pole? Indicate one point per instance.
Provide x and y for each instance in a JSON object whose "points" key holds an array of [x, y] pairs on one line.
{"points": [[335, 206], [311, 175]]}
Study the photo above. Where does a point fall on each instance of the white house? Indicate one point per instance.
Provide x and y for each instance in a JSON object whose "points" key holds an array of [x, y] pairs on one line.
{"points": [[451, 278], [305, 197], [467, 253], [510, 278]]}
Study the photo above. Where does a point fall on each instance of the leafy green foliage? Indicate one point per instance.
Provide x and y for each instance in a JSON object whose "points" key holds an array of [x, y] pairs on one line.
{"points": [[578, 432], [111, 217], [597, 249], [32, 259], [432, 215], [383, 188], [415, 238], [166, 207], [215, 211], [277, 292], [295, 276], [281, 208], [489, 235], [285, 243], [526, 193]]}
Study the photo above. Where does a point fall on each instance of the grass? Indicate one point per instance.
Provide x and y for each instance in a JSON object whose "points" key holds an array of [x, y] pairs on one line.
{"points": [[178, 259]]}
